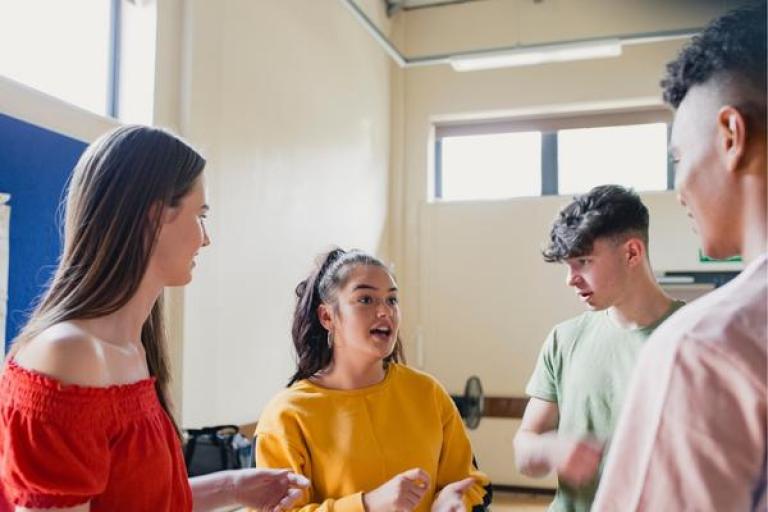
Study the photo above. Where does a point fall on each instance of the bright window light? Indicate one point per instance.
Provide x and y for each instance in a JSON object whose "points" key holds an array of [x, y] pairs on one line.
{"points": [[633, 156], [137, 62], [495, 166], [58, 47]]}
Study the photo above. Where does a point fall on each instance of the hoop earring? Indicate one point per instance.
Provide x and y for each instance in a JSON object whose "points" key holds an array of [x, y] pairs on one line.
{"points": [[329, 339]]}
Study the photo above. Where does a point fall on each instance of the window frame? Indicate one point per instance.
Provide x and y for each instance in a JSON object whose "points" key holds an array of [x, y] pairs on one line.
{"points": [[548, 125], [115, 51]]}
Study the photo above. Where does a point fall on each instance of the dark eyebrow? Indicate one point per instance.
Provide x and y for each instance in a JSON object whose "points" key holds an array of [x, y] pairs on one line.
{"points": [[364, 286], [205, 208]]}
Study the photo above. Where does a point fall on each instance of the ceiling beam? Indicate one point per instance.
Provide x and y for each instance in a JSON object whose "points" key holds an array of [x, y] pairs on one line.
{"points": [[435, 59]]}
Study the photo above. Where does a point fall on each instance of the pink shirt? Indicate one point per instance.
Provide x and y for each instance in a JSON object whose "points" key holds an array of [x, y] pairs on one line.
{"points": [[692, 434]]}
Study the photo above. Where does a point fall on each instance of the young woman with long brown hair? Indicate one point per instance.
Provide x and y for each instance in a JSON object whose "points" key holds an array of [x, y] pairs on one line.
{"points": [[85, 421]]}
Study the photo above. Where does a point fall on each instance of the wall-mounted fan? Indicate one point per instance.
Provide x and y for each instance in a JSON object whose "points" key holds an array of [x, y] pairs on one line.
{"points": [[472, 403]]}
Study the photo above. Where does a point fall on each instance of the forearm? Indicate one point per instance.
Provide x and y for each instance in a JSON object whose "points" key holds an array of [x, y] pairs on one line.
{"points": [[534, 452], [213, 491]]}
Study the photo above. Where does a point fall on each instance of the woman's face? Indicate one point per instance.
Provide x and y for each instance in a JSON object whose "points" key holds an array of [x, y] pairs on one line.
{"points": [[366, 317], [182, 234]]}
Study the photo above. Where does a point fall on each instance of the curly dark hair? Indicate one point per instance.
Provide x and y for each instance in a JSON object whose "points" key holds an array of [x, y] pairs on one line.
{"points": [[607, 211], [731, 47]]}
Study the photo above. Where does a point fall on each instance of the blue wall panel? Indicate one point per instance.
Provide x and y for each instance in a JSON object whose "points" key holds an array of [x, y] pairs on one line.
{"points": [[35, 164]]}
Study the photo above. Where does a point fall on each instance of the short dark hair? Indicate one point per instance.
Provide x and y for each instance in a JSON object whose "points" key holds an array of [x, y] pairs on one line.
{"points": [[731, 47], [605, 211]]}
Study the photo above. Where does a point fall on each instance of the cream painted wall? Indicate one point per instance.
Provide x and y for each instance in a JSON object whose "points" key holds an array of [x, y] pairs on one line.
{"points": [[167, 105], [477, 297], [290, 101]]}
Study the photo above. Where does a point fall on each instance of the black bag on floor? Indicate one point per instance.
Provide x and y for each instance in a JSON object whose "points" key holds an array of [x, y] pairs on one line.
{"points": [[212, 449]]}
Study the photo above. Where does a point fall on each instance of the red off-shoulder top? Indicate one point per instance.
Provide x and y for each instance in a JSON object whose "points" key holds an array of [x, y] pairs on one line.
{"points": [[64, 445]]}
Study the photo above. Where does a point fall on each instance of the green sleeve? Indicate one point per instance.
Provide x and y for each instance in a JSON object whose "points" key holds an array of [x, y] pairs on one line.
{"points": [[544, 381]]}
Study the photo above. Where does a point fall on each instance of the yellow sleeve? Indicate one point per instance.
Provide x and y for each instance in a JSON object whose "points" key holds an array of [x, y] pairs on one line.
{"points": [[456, 454], [274, 451]]}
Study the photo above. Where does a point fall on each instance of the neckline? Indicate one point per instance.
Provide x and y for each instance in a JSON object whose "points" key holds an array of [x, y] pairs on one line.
{"points": [[674, 306], [390, 370], [53, 383]]}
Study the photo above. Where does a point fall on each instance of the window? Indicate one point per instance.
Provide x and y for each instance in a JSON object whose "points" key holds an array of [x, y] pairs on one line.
{"points": [[136, 74], [550, 156], [60, 48], [95, 54], [634, 156], [492, 166]]}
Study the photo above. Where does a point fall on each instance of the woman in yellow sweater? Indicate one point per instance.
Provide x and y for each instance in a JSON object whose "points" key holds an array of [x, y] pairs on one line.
{"points": [[369, 432]]}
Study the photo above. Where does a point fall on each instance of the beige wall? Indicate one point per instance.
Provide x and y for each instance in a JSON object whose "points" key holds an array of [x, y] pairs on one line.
{"points": [[477, 297], [290, 102]]}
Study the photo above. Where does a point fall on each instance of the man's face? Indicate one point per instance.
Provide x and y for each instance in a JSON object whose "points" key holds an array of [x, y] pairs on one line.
{"points": [[599, 278], [702, 179]]}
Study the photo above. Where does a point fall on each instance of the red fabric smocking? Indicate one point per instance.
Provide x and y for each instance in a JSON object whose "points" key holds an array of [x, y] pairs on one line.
{"points": [[64, 445]]}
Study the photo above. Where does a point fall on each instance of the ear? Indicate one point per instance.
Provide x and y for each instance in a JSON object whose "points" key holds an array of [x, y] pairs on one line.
{"points": [[635, 251], [325, 315], [732, 137]]}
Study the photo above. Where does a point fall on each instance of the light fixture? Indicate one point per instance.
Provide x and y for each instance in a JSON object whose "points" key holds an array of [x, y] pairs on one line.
{"points": [[532, 55]]}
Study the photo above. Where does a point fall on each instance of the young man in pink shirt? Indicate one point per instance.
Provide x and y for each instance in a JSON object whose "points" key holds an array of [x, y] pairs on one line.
{"points": [[692, 434]]}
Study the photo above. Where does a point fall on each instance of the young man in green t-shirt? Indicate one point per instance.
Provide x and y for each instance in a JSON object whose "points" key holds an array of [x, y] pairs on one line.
{"points": [[586, 362]]}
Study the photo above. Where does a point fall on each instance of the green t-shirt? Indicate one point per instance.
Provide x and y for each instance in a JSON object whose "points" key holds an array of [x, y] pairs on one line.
{"points": [[584, 367]]}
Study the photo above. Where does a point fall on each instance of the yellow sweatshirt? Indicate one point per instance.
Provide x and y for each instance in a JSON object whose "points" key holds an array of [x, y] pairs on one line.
{"points": [[350, 442]]}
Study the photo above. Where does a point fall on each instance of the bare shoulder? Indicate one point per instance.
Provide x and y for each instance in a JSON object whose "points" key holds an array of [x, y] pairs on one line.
{"points": [[66, 353]]}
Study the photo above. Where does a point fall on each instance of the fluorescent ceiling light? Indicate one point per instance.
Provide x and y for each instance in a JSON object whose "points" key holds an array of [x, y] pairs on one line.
{"points": [[532, 55]]}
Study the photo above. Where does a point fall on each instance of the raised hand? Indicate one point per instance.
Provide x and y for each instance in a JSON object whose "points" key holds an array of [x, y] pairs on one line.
{"points": [[451, 497], [577, 461], [400, 494]]}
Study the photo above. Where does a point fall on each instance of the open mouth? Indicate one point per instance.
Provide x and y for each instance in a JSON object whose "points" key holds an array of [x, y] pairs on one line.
{"points": [[381, 333], [585, 296]]}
